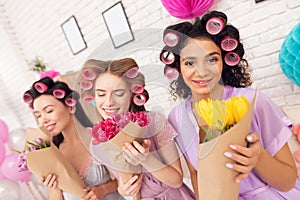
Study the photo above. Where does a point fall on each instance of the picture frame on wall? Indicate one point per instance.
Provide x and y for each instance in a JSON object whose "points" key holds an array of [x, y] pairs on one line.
{"points": [[73, 35], [117, 25]]}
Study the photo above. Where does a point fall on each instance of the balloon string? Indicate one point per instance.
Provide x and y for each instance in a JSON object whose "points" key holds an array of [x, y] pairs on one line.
{"points": [[30, 190], [39, 191]]}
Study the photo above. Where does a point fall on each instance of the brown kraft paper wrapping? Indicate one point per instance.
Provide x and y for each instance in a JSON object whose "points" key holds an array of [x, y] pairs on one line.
{"points": [[50, 161], [215, 181]]}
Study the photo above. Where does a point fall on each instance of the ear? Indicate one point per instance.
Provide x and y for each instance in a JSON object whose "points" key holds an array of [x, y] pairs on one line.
{"points": [[72, 109]]}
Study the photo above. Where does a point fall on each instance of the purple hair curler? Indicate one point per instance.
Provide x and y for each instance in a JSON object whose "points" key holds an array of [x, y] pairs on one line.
{"points": [[87, 98], [89, 74], [137, 88], [59, 93], [232, 58], [214, 25], [171, 73], [70, 102], [27, 98], [139, 99], [86, 84], [133, 72], [229, 43], [167, 57], [171, 39], [40, 87]]}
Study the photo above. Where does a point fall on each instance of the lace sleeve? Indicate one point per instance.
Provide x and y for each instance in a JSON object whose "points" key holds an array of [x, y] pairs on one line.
{"points": [[165, 132]]}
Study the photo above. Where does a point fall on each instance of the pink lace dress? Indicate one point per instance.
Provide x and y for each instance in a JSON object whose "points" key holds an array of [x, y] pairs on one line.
{"points": [[152, 188]]}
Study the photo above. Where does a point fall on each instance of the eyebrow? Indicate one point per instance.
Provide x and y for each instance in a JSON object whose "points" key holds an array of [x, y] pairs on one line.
{"points": [[34, 112], [194, 57]]}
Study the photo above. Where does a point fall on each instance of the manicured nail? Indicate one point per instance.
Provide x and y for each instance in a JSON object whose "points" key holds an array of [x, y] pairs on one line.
{"points": [[228, 154], [249, 138], [233, 147], [228, 165]]}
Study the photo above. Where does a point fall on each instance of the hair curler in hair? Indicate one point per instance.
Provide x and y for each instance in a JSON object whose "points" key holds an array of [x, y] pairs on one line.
{"points": [[171, 73], [167, 57], [171, 39], [86, 84], [214, 25], [70, 102], [59, 93], [232, 58], [133, 72], [89, 74], [139, 99], [87, 98], [27, 98], [229, 43], [137, 88], [40, 87]]}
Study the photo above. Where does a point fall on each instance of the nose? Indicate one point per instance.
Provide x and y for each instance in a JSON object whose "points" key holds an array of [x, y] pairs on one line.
{"points": [[109, 100], [201, 69]]}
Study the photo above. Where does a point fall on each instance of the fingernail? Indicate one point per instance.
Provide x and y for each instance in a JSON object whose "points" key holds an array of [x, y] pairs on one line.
{"points": [[249, 138], [233, 147], [238, 180], [228, 154], [228, 165]]}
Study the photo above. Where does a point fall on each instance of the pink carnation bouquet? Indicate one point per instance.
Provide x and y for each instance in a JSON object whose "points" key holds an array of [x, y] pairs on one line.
{"points": [[110, 135]]}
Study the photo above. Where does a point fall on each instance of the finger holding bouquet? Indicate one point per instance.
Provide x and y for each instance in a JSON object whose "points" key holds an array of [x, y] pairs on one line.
{"points": [[135, 144], [65, 166], [204, 60]]}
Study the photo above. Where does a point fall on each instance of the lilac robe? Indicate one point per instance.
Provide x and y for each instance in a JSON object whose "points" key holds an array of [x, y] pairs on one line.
{"points": [[272, 125]]}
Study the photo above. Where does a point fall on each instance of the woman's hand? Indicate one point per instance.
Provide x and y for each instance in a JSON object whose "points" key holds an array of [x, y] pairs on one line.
{"points": [[131, 187], [245, 157], [136, 153], [49, 181], [93, 193]]}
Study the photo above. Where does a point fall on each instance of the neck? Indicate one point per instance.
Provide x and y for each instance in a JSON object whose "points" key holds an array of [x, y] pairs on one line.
{"points": [[70, 133], [216, 93]]}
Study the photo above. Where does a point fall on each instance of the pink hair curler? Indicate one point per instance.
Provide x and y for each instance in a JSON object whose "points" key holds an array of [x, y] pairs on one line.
{"points": [[70, 102], [171, 39], [133, 72], [27, 98], [214, 25], [171, 73], [59, 93], [89, 74], [137, 88], [232, 58], [229, 43], [167, 57], [139, 99], [40, 87], [86, 84], [87, 98]]}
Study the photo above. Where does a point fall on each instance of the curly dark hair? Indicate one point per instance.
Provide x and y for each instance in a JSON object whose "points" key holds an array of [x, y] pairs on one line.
{"points": [[118, 68], [33, 93], [236, 76]]}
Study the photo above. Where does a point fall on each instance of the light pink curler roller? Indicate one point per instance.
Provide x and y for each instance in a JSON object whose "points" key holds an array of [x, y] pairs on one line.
{"points": [[133, 72], [139, 99], [167, 58], [59, 93], [171, 73], [214, 25], [229, 43], [232, 58], [171, 39]]}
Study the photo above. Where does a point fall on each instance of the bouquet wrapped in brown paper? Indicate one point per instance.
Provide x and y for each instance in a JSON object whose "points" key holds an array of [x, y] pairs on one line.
{"points": [[215, 181], [49, 160], [110, 136]]}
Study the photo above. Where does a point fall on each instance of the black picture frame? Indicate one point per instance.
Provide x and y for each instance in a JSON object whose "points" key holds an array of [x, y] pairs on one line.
{"points": [[73, 35], [117, 24], [257, 1]]}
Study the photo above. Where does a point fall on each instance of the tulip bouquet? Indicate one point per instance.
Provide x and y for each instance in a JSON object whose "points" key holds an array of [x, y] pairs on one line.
{"points": [[110, 135], [228, 123], [42, 157]]}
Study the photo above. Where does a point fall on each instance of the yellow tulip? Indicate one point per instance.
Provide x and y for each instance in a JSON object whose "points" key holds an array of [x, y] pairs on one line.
{"points": [[229, 112], [240, 107]]}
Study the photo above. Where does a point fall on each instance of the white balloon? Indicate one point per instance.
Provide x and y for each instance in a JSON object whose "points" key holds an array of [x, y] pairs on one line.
{"points": [[17, 139], [9, 190]]}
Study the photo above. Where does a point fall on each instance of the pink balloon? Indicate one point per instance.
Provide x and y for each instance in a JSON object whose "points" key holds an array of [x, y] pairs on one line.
{"points": [[187, 9], [2, 152], [3, 131], [10, 169]]}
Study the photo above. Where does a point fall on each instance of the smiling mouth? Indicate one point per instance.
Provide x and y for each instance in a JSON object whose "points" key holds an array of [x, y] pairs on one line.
{"points": [[50, 127], [110, 112], [202, 83]]}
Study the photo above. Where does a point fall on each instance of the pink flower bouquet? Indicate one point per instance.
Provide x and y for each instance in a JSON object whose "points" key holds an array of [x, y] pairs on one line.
{"points": [[110, 135], [42, 157]]}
